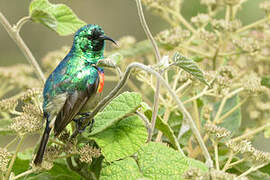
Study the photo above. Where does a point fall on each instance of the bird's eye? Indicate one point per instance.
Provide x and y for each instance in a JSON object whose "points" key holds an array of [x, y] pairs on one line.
{"points": [[89, 37]]}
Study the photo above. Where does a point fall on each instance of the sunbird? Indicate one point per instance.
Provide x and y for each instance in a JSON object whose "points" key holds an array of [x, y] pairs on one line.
{"points": [[72, 86]]}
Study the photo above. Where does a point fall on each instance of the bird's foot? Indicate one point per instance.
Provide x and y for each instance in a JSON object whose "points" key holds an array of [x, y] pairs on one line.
{"points": [[79, 122]]}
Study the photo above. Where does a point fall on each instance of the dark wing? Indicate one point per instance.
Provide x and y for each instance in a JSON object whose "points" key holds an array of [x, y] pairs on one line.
{"points": [[73, 105]]}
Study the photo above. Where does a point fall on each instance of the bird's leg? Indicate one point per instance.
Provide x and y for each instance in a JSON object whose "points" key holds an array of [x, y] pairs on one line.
{"points": [[79, 122]]}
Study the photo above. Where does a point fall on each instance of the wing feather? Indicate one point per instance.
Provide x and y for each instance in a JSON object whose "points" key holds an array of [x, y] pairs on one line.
{"points": [[73, 105]]}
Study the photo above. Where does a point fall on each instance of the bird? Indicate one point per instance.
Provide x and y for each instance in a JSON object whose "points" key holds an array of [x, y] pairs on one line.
{"points": [[74, 83]]}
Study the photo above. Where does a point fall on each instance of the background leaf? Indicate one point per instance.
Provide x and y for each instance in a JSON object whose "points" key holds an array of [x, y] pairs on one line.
{"points": [[164, 128], [122, 139], [189, 66], [125, 103], [124, 169], [57, 17], [265, 81], [233, 121]]}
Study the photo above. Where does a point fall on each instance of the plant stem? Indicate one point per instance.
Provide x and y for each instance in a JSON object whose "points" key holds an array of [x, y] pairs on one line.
{"points": [[196, 114], [181, 19], [147, 124], [24, 174], [21, 22], [216, 155], [264, 20], [14, 34], [250, 170], [228, 161], [251, 132], [223, 102], [10, 143], [158, 58], [13, 158], [235, 163], [231, 111]]}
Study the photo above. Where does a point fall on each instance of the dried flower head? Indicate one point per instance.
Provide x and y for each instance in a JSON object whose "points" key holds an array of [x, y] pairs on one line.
{"points": [[249, 45], [196, 174], [87, 153], [200, 20], [208, 36], [29, 121], [252, 83], [222, 25], [19, 76], [52, 152], [218, 132], [30, 93], [126, 41], [8, 104], [4, 159], [50, 61], [239, 147], [156, 4], [173, 37]]}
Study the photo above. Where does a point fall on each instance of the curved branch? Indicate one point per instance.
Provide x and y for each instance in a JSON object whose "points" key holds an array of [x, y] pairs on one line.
{"points": [[14, 34]]}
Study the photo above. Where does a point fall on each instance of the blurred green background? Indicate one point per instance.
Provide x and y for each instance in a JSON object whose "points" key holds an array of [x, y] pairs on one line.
{"points": [[117, 17]]}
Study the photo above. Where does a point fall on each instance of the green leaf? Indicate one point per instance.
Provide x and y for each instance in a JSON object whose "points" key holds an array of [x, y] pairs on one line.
{"points": [[164, 128], [157, 161], [57, 17], [122, 139], [233, 121], [58, 172], [124, 104], [189, 66], [124, 169], [265, 81]]}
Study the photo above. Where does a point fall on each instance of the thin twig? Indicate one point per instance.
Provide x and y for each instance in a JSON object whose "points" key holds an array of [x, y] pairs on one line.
{"points": [[251, 132], [24, 173], [13, 158], [21, 22], [14, 34], [264, 20], [147, 124], [250, 170], [158, 58]]}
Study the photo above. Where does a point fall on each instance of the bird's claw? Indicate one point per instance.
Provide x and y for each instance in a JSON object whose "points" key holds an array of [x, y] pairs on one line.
{"points": [[79, 122]]}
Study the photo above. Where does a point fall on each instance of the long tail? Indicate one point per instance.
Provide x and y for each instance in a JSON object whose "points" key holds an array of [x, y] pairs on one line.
{"points": [[42, 146]]}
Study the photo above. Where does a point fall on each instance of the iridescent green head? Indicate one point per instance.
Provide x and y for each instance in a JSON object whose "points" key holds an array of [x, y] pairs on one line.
{"points": [[90, 39]]}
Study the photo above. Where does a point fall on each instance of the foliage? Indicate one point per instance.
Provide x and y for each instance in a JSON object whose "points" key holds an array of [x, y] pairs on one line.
{"points": [[217, 68]]}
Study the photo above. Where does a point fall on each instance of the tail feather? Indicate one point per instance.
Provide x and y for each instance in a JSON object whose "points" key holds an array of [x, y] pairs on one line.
{"points": [[42, 146]]}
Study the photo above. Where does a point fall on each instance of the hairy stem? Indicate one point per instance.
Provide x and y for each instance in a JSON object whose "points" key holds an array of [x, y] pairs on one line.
{"points": [[250, 170], [21, 22], [252, 132], [158, 58], [14, 34], [264, 20], [228, 161], [24, 173]]}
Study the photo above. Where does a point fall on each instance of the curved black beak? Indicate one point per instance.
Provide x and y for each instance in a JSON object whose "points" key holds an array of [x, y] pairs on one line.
{"points": [[103, 37]]}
